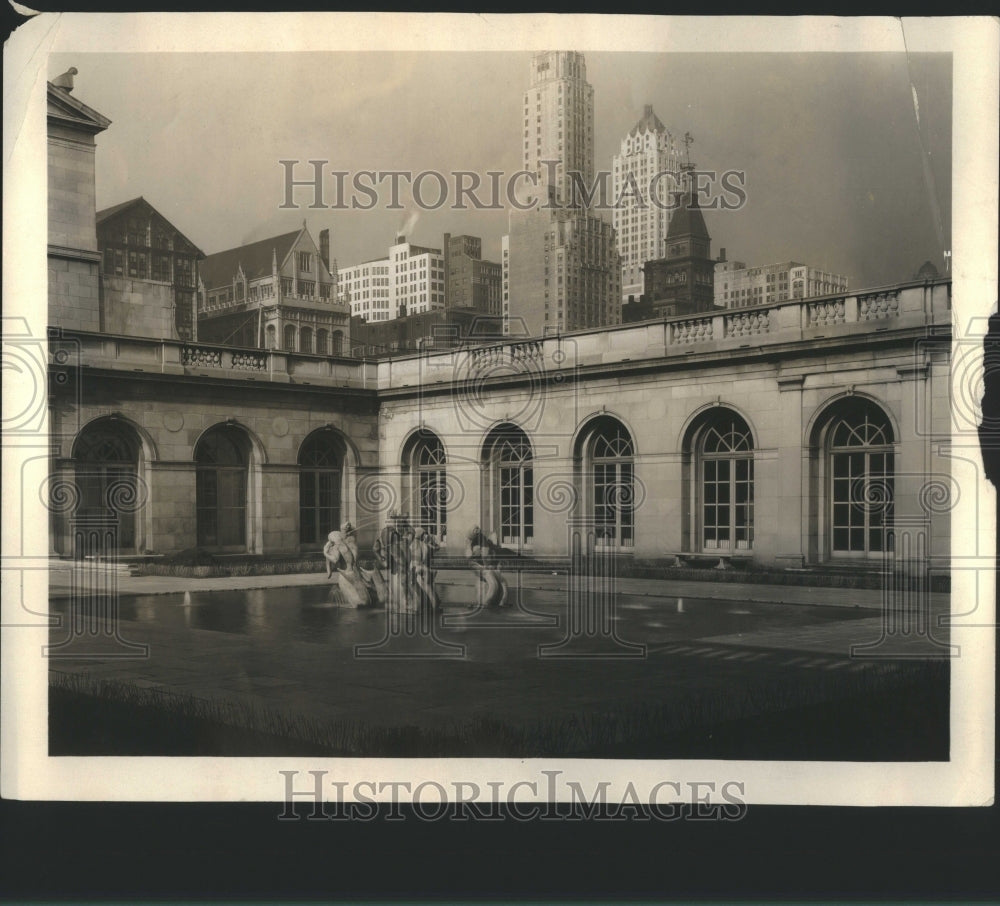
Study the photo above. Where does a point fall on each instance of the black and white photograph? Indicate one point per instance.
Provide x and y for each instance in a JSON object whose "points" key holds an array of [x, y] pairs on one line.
{"points": [[463, 409]]}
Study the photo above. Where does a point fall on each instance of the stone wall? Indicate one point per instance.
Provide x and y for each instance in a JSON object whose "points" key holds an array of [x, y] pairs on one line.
{"points": [[137, 308], [167, 417], [72, 205], [74, 292], [73, 261], [779, 370], [781, 401]]}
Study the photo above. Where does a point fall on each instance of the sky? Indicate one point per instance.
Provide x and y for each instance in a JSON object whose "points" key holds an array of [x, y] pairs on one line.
{"points": [[847, 156]]}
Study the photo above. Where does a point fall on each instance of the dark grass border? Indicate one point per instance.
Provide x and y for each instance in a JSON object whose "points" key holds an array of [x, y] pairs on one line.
{"points": [[122, 718]]}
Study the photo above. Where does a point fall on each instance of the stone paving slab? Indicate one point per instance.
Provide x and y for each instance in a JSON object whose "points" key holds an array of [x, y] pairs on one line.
{"points": [[830, 638]]}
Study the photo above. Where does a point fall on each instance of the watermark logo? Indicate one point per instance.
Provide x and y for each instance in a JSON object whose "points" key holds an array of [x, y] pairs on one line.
{"points": [[552, 796], [312, 185]]}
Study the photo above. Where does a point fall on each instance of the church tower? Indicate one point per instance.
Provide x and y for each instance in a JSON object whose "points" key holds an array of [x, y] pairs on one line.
{"points": [[683, 282]]}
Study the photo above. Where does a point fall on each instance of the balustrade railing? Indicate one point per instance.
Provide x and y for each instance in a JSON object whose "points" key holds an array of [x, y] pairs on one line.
{"points": [[693, 330], [748, 323], [876, 306], [201, 356], [826, 312], [781, 322], [209, 357]]}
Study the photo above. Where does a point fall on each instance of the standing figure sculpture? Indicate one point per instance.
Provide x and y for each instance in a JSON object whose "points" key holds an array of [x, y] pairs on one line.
{"points": [[395, 551], [481, 552], [341, 553], [422, 548], [406, 556], [377, 576]]}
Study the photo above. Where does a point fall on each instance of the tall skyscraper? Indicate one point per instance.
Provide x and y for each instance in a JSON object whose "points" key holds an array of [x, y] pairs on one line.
{"points": [[561, 267], [648, 150], [559, 122]]}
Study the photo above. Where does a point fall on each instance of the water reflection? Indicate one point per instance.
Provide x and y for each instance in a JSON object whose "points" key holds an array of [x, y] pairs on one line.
{"points": [[316, 614]]}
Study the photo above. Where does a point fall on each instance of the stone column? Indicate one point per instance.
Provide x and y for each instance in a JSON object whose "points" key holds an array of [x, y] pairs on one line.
{"points": [[783, 512]]}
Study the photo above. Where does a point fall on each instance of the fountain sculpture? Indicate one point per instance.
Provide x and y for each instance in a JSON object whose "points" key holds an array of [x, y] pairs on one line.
{"points": [[402, 574], [341, 553], [482, 553]]}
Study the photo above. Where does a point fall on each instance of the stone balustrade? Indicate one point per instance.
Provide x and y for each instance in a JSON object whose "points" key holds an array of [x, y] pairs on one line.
{"points": [[850, 316]]}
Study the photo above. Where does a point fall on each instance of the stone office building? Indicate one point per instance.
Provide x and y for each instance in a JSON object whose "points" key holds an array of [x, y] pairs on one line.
{"points": [[276, 293], [795, 434], [470, 281]]}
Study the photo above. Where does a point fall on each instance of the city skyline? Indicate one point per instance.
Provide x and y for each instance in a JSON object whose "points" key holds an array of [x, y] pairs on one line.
{"points": [[877, 202]]}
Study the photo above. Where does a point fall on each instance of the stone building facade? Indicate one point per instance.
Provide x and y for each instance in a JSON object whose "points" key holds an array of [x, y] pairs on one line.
{"points": [[73, 258], [470, 281], [681, 283], [802, 433], [737, 286], [149, 273], [562, 271], [776, 435], [276, 293]]}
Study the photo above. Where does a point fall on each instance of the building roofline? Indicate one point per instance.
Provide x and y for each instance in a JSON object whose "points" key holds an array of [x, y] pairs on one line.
{"points": [[109, 212]]}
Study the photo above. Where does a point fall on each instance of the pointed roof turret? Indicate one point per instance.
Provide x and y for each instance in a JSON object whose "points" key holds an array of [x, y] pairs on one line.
{"points": [[687, 219], [650, 122]]}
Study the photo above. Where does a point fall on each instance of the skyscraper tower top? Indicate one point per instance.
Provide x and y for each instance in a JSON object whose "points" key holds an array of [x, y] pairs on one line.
{"points": [[557, 64], [558, 136], [648, 151]]}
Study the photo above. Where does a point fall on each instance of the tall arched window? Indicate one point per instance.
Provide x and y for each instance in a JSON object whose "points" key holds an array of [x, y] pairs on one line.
{"points": [[222, 458], [337, 343], [608, 466], [426, 483], [306, 340], [720, 453], [322, 340], [289, 338], [511, 486], [860, 456], [272, 337], [106, 458], [321, 467]]}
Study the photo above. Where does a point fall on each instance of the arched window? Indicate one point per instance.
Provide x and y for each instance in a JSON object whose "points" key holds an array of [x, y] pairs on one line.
{"points": [[289, 338], [321, 467], [272, 337], [305, 340], [608, 468], [337, 343], [727, 486], [860, 457], [322, 340], [222, 458], [426, 483], [106, 458], [722, 483], [511, 486]]}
